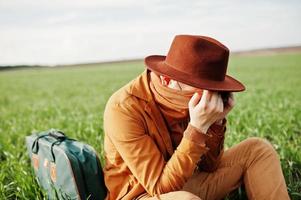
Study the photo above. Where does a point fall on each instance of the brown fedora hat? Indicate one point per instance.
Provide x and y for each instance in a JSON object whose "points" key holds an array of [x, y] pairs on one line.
{"points": [[198, 61]]}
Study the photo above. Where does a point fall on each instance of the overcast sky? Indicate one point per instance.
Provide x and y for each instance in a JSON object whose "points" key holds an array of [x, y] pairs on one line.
{"points": [[77, 31]]}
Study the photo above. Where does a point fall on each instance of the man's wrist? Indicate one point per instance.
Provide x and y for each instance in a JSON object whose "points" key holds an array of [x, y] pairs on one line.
{"points": [[199, 128], [196, 135]]}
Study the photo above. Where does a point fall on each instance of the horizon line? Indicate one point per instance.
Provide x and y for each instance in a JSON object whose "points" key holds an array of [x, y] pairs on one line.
{"points": [[255, 51]]}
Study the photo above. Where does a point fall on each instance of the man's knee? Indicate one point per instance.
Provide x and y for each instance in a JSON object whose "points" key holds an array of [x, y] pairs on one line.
{"points": [[260, 146]]}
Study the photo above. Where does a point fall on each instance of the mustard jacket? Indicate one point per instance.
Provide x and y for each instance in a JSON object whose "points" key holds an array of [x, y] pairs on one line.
{"points": [[139, 156]]}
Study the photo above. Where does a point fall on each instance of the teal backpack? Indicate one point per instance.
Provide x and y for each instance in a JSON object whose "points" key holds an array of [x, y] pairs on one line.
{"points": [[64, 167]]}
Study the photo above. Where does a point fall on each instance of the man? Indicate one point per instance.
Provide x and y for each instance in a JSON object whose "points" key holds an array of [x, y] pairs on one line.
{"points": [[164, 131]]}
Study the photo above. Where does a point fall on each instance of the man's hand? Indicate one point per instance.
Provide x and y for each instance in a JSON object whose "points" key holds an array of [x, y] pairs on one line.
{"points": [[207, 109]]}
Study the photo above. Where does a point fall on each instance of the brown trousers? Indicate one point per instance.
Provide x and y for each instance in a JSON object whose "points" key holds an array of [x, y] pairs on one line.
{"points": [[253, 162]]}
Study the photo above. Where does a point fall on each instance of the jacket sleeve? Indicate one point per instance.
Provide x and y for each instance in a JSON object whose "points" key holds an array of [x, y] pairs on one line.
{"points": [[209, 161], [125, 128]]}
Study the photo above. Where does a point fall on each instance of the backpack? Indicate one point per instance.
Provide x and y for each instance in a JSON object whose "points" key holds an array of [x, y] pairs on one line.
{"points": [[64, 167]]}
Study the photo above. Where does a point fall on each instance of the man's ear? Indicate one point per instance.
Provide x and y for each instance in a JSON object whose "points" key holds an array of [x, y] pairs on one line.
{"points": [[164, 80]]}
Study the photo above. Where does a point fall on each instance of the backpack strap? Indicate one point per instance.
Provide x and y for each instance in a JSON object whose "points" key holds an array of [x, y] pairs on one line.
{"points": [[57, 134]]}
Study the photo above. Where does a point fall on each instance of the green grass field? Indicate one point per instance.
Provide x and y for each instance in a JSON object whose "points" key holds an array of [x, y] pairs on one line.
{"points": [[73, 99]]}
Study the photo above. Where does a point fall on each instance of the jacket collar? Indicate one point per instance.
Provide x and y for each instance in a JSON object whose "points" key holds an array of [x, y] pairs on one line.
{"points": [[140, 88]]}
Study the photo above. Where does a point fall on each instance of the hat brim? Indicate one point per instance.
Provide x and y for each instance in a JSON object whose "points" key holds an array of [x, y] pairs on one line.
{"points": [[156, 63]]}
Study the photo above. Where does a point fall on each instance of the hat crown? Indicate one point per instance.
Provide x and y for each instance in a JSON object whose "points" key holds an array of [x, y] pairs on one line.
{"points": [[199, 55]]}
